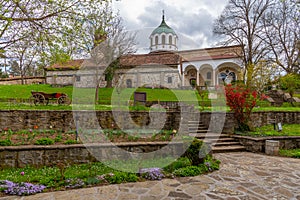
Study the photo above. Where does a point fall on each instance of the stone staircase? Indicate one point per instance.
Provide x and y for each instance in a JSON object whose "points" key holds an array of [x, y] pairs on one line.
{"points": [[221, 142]]}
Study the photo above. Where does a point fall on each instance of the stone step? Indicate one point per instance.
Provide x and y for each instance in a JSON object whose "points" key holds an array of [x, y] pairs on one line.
{"points": [[204, 131], [227, 143], [234, 148], [209, 135], [219, 140], [197, 127]]}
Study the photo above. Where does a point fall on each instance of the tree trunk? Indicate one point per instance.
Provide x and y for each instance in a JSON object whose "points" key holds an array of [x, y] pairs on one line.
{"points": [[109, 84]]}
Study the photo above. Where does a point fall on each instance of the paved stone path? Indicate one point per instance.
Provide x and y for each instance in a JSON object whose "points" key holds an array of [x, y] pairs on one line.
{"points": [[242, 176]]}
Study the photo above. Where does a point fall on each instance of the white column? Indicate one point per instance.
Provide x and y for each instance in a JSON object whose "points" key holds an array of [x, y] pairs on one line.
{"points": [[198, 81], [214, 77]]}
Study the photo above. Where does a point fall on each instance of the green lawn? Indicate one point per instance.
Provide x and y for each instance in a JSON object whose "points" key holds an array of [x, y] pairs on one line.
{"points": [[294, 153], [23, 92], [119, 97], [268, 130]]}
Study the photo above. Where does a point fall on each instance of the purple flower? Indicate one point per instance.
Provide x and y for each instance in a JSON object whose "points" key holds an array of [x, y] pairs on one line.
{"points": [[152, 173], [22, 173], [21, 188]]}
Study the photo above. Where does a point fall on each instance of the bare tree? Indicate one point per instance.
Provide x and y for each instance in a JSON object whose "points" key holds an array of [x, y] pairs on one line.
{"points": [[241, 24], [282, 30], [25, 55], [105, 38], [118, 42]]}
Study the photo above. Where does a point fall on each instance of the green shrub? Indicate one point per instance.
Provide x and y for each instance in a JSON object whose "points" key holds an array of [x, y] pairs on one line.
{"points": [[188, 171], [296, 155], [121, 177], [71, 142], [210, 164], [58, 138], [44, 141], [6, 142], [197, 152], [179, 163], [92, 181]]}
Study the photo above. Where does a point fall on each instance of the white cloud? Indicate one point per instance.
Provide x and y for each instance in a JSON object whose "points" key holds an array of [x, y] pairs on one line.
{"points": [[191, 19]]}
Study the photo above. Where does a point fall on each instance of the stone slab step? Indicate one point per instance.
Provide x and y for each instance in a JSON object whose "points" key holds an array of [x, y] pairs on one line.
{"points": [[221, 149], [197, 131], [197, 127], [209, 135], [227, 143], [215, 140]]}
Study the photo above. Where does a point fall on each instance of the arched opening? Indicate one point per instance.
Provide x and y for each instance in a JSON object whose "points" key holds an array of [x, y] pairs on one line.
{"points": [[156, 40], [190, 76], [227, 73], [206, 76], [163, 39], [227, 77], [170, 39]]}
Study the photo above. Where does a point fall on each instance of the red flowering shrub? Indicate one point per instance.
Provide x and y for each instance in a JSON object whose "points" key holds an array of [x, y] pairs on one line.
{"points": [[241, 101]]}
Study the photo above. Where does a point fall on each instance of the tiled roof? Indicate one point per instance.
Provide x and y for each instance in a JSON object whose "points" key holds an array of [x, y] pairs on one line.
{"points": [[211, 53], [163, 58], [69, 65]]}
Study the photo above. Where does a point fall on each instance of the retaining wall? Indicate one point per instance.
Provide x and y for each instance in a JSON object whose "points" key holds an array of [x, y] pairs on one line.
{"points": [[39, 156], [64, 120]]}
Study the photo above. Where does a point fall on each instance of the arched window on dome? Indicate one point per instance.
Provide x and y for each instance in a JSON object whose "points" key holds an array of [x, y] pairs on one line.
{"points": [[163, 39], [156, 40], [170, 39]]}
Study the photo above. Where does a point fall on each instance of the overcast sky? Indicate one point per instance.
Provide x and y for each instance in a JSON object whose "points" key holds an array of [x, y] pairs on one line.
{"points": [[191, 19]]}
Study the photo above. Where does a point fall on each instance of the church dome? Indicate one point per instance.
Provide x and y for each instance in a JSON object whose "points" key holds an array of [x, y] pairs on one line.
{"points": [[163, 28], [163, 38]]}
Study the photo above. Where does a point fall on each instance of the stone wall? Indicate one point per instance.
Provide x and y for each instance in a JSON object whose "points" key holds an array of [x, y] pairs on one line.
{"points": [[257, 119], [148, 76], [64, 120], [39, 156], [259, 144], [78, 78], [18, 80]]}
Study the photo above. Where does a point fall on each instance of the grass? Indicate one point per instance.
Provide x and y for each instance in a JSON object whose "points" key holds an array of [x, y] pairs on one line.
{"points": [[294, 153], [119, 98], [24, 92], [268, 130], [61, 176]]}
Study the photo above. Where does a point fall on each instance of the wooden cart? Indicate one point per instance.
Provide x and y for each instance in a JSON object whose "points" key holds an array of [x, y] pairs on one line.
{"points": [[41, 98]]}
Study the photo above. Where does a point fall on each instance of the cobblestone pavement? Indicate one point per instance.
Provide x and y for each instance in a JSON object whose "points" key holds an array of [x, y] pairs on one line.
{"points": [[242, 176]]}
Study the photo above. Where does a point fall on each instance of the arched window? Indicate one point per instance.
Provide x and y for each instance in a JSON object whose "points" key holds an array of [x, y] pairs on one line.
{"points": [[163, 39], [208, 75], [156, 40], [170, 39]]}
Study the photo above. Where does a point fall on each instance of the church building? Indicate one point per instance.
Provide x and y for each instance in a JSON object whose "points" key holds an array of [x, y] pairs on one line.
{"points": [[165, 66]]}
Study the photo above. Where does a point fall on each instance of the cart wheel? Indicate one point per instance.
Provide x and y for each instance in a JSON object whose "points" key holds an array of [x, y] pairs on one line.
{"points": [[39, 99], [63, 100]]}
